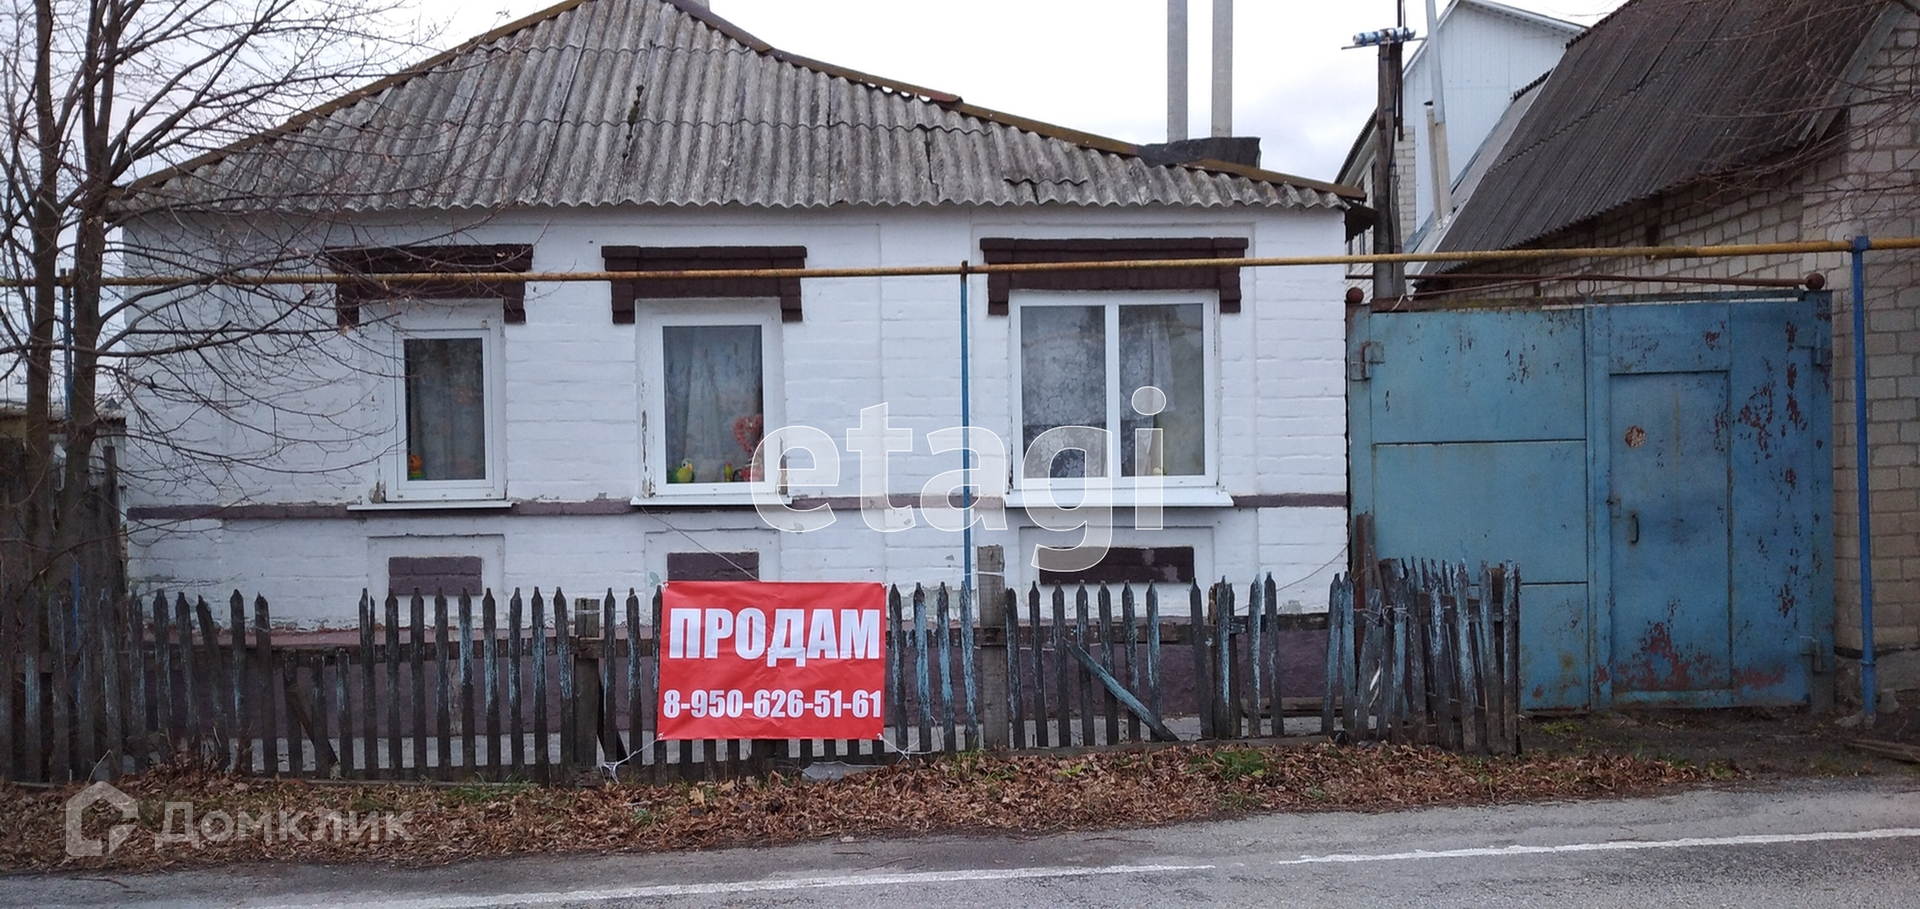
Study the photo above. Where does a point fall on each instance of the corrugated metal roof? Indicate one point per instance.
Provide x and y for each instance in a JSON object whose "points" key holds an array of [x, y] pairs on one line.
{"points": [[659, 102], [1660, 95]]}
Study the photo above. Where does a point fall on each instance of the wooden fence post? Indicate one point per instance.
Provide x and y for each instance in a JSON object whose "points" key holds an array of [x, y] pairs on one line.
{"points": [[943, 643], [607, 724], [1108, 702], [1083, 678], [1198, 636], [637, 694], [542, 755], [442, 690], [1129, 622], [270, 715], [469, 761], [139, 726], [32, 698], [588, 650], [10, 746], [995, 706]]}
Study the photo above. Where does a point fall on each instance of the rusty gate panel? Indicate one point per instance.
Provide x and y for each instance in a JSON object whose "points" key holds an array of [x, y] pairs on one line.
{"points": [[1660, 468]]}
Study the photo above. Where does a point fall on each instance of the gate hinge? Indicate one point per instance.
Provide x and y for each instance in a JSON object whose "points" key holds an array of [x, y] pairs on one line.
{"points": [[1819, 659], [1819, 345], [1360, 365]]}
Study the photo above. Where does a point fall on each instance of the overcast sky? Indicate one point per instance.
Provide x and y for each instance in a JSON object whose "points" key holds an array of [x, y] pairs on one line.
{"points": [[1095, 65]]}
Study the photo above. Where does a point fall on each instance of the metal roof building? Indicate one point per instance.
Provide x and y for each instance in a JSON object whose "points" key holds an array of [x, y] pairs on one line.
{"points": [[1661, 95]]}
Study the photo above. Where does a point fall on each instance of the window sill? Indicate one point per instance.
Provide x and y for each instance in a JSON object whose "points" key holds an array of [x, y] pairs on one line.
{"points": [[434, 505], [700, 500], [1176, 497]]}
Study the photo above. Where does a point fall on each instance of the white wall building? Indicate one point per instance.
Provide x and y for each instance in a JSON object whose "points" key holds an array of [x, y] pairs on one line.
{"points": [[1489, 52], [599, 435]]}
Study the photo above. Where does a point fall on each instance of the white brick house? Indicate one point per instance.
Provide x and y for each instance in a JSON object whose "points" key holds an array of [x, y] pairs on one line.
{"points": [[597, 434]]}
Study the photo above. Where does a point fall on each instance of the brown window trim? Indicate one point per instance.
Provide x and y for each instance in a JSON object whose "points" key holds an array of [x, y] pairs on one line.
{"points": [[390, 260], [704, 258], [1010, 250]]}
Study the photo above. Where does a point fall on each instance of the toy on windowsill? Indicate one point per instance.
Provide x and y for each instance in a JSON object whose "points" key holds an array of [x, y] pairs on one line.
{"points": [[683, 473], [747, 432], [416, 467]]}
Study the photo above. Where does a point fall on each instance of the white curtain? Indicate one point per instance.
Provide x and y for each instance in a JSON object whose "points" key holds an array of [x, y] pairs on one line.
{"points": [[1063, 379], [1164, 346], [714, 400], [446, 409]]}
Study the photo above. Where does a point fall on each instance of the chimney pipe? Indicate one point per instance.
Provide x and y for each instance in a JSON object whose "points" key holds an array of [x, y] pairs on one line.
{"points": [[1176, 70], [1437, 124], [1223, 67]]}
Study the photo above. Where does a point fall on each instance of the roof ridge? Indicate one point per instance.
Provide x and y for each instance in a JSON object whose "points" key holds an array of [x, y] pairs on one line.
{"points": [[692, 8], [958, 105], [1542, 20], [1602, 21]]}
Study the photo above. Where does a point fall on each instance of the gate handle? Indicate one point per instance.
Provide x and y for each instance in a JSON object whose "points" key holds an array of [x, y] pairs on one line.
{"points": [[1633, 527]]}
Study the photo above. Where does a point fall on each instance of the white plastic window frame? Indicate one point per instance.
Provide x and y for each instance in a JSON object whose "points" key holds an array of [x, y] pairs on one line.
{"points": [[448, 319], [1112, 301], [653, 317]]}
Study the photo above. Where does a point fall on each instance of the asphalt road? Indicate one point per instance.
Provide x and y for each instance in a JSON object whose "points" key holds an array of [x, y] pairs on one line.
{"points": [[1843, 843]]}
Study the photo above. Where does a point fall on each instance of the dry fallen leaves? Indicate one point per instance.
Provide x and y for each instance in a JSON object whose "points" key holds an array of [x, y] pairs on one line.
{"points": [[965, 793]]}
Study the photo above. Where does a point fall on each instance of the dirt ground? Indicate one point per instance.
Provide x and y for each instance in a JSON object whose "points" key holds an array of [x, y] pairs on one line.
{"points": [[1755, 742]]}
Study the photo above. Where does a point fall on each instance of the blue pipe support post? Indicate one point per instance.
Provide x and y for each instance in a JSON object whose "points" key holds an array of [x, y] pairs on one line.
{"points": [[1868, 683], [966, 440]]}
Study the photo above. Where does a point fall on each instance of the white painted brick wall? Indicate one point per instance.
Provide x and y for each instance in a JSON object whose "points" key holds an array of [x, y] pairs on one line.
{"points": [[572, 406]]}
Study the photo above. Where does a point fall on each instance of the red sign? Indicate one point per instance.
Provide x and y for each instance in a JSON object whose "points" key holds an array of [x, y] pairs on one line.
{"points": [[753, 660]]}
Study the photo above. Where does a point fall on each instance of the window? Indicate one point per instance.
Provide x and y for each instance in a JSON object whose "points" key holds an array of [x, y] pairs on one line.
{"points": [[1118, 364], [446, 404], [446, 409], [712, 380]]}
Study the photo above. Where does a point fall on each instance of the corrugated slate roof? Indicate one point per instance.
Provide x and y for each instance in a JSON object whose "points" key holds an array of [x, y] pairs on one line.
{"points": [[1662, 94], [659, 102]]}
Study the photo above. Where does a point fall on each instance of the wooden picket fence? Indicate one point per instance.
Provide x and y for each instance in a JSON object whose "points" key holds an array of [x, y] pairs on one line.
{"points": [[1101, 675], [547, 688], [1426, 652]]}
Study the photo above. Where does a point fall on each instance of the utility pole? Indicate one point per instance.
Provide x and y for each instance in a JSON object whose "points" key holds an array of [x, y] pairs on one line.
{"points": [[1389, 279]]}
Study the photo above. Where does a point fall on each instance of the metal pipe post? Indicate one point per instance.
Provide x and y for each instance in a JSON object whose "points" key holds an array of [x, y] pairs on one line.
{"points": [[1176, 70], [1868, 688], [1223, 68], [966, 440]]}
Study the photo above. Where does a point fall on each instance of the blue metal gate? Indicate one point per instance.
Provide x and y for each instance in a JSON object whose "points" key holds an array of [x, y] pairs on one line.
{"points": [[1659, 468]]}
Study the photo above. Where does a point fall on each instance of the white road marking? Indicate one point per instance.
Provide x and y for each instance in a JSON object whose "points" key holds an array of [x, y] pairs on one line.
{"points": [[1757, 839], [761, 886]]}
